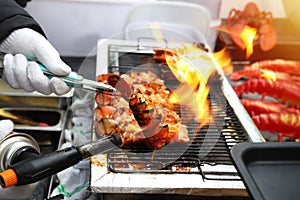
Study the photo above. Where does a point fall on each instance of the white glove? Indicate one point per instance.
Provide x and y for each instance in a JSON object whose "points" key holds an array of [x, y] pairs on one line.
{"points": [[6, 127], [20, 74]]}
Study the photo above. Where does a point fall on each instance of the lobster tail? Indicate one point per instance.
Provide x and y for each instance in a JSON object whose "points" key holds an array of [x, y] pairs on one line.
{"points": [[144, 122], [142, 109], [283, 91], [277, 122]]}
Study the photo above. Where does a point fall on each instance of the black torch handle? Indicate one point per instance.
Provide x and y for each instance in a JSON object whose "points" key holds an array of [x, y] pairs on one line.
{"points": [[32, 170]]}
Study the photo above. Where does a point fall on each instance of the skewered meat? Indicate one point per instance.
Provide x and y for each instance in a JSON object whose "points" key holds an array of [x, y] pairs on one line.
{"points": [[141, 114]]}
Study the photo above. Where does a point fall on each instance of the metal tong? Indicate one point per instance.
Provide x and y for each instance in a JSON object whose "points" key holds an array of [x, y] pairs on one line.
{"points": [[73, 80]]}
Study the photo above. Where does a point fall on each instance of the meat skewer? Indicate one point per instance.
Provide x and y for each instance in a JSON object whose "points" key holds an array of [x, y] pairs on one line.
{"points": [[140, 114]]}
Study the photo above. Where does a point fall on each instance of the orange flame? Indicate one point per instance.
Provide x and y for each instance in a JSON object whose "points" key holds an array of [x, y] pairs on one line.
{"points": [[192, 67], [224, 60], [248, 35], [269, 75]]}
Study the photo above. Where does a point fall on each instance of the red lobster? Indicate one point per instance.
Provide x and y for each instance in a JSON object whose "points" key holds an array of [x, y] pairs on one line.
{"points": [[251, 16], [284, 91], [287, 124], [256, 107], [274, 117], [278, 65], [253, 72], [157, 125]]}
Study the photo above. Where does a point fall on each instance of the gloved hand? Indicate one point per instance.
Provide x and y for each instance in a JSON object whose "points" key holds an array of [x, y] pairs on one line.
{"points": [[20, 74], [6, 127]]}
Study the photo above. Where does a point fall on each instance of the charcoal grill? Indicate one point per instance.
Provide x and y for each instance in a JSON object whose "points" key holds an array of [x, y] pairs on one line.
{"points": [[201, 167]]}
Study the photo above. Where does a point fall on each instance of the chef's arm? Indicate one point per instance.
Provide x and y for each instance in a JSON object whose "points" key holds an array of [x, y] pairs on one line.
{"points": [[21, 38], [13, 17], [22, 3]]}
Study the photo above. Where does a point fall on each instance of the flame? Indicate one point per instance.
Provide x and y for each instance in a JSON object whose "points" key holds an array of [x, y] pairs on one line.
{"points": [[224, 60], [269, 75], [248, 35], [192, 67]]}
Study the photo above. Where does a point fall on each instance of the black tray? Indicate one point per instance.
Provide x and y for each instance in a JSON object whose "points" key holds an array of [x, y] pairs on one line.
{"points": [[269, 170]]}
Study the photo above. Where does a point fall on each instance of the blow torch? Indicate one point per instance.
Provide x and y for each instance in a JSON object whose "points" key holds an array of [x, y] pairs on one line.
{"points": [[22, 163]]}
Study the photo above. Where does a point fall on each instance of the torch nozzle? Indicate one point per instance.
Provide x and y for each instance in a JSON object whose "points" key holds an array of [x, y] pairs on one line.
{"points": [[100, 146]]}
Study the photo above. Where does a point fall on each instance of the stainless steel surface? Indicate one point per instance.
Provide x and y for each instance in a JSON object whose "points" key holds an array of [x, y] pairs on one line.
{"points": [[244, 117], [29, 102], [221, 180], [55, 118], [11, 144]]}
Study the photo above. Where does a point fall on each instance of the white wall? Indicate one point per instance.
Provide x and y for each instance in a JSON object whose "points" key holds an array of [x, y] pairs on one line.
{"points": [[292, 8], [274, 6], [73, 26]]}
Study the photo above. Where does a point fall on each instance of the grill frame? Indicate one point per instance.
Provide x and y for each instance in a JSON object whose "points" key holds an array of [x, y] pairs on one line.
{"points": [[206, 179]]}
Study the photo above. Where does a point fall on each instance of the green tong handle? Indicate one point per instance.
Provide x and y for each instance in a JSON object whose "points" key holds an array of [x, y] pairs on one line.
{"points": [[69, 79]]}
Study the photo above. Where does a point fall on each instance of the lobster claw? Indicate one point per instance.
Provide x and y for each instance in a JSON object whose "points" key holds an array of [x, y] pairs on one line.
{"points": [[267, 37]]}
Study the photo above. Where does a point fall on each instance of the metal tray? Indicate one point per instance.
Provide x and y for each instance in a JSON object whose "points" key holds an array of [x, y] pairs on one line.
{"points": [[269, 170], [55, 118]]}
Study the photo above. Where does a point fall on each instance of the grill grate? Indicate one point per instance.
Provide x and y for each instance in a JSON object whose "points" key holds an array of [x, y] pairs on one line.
{"points": [[209, 146]]}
